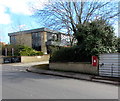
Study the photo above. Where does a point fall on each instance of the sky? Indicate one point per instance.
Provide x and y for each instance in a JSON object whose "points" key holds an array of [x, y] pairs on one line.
{"points": [[16, 15]]}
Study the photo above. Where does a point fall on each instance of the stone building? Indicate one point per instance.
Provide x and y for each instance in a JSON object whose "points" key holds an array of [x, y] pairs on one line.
{"points": [[39, 39]]}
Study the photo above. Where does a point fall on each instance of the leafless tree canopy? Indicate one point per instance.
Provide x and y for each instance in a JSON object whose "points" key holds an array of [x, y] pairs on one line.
{"points": [[68, 15]]}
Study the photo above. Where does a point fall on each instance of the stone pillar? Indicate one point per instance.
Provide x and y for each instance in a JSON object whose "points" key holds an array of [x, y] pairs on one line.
{"points": [[43, 42], [6, 51], [12, 51]]}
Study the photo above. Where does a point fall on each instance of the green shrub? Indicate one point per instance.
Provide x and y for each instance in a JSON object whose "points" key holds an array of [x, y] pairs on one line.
{"points": [[70, 54], [52, 49], [17, 49], [20, 50], [27, 51]]}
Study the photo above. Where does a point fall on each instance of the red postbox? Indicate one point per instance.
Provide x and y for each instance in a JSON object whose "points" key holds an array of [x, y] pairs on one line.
{"points": [[94, 60]]}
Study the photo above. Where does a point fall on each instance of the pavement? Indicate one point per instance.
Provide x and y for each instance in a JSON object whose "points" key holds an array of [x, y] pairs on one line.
{"points": [[93, 78], [27, 64]]}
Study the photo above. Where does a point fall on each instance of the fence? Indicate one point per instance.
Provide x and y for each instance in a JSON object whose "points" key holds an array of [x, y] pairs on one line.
{"points": [[109, 65]]}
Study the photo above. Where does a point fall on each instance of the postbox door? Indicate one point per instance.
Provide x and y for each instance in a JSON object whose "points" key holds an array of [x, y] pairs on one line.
{"points": [[94, 60]]}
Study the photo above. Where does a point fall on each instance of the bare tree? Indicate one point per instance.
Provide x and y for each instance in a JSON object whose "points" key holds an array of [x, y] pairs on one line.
{"points": [[63, 15]]}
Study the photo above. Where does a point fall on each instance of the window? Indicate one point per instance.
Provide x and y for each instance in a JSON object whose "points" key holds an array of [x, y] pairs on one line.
{"points": [[13, 39], [36, 41], [54, 37]]}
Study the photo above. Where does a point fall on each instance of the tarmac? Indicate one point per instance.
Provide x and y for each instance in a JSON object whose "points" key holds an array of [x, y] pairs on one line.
{"points": [[80, 76]]}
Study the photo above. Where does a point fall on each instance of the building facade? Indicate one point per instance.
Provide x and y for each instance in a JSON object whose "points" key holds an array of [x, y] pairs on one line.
{"points": [[39, 39]]}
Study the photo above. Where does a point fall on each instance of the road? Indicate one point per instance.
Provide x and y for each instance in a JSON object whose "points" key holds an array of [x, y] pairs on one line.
{"points": [[19, 84]]}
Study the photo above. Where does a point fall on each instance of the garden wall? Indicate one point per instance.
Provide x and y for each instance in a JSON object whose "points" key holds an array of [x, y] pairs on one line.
{"points": [[25, 59], [74, 67], [1, 60]]}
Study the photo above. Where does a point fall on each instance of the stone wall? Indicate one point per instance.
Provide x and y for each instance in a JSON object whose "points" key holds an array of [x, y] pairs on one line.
{"points": [[25, 59], [74, 67], [1, 59]]}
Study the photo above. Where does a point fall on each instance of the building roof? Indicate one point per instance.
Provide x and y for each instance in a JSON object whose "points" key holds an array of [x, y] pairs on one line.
{"points": [[34, 30]]}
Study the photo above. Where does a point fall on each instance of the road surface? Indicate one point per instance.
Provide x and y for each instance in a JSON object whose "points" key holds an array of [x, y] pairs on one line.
{"points": [[19, 84]]}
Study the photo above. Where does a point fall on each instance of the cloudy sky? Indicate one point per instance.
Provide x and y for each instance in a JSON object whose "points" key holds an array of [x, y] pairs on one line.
{"points": [[16, 15]]}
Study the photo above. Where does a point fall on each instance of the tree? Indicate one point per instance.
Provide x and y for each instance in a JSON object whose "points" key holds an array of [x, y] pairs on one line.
{"points": [[96, 37], [118, 44], [60, 15]]}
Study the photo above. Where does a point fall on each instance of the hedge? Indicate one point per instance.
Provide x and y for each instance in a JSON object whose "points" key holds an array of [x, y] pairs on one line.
{"points": [[70, 54]]}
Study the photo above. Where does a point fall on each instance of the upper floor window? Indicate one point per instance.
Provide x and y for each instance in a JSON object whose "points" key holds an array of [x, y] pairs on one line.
{"points": [[65, 37], [54, 37], [12, 39]]}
